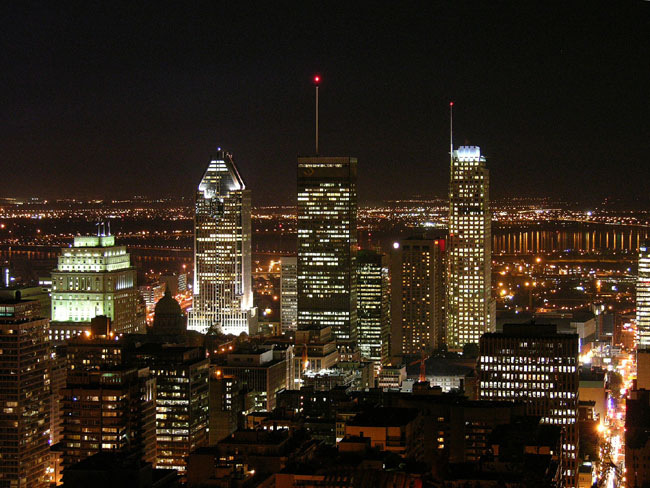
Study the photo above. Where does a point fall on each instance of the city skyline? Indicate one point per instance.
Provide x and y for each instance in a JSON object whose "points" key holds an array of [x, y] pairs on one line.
{"points": [[582, 117]]}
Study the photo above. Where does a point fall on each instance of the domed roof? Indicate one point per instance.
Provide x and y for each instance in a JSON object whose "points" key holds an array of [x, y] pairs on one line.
{"points": [[168, 318], [167, 305]]}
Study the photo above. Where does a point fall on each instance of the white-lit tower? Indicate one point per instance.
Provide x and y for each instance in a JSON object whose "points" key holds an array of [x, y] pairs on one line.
{"points": [[470, 309], [223, 295]]}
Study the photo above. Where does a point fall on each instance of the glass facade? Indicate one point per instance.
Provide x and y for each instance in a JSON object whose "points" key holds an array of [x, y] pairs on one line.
{"points": [[327, 245], [223, 293], [469, 304], [373, 306]]}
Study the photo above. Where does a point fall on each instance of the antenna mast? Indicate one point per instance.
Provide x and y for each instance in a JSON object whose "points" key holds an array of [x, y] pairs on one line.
{"points": [[316, 82], [451, 135]]}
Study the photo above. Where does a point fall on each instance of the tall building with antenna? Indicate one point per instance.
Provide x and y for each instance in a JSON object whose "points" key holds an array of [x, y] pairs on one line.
{"points": [[470, 309], [327, 243], [223, 293]]}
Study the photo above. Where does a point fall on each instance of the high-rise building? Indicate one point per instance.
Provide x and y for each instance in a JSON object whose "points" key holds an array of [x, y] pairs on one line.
{"points": [[536, 365], [373, 308], [470, 308], [108, 408], [327, 245], [417, 295], [288, 293], [223, 293], [93, 277], [181, 400], [24, 395], [257, 370], [643, 298]]}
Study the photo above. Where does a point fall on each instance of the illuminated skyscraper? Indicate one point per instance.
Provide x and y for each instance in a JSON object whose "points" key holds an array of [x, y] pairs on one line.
{"points": [[536, 365], [223, 293], [93, 277], [374, 306], [643, 298], [327, 242], [288, 293], [470, 309], [417, 295], [24, 395]]}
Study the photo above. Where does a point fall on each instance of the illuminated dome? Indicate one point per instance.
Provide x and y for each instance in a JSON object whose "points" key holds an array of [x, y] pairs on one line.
{"points": [[168, 317]]}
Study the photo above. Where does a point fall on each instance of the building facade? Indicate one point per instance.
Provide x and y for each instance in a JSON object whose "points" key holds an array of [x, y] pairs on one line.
{"points": [[417, 295], [223, 293], [288, 293], [470, 308], [24, 395], [536, 365], [181, 400], [327, 244], [93, 277], [643, 298], [373, 306]]}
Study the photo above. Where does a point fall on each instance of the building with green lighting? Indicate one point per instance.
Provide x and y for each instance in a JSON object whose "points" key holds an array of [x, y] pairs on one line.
{"points": [[93, 277]]}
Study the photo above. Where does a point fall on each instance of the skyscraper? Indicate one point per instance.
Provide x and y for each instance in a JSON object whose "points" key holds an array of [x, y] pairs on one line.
{"points": [[470, 309], [25, 395], [373, 306], [288, 293], [223, 293], [93, 277], [327, 244], [417, 295], [643, 298], [536, 365]]}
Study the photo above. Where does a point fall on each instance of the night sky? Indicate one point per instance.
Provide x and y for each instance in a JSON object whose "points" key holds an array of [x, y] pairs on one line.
{"points": [[117, 99]]}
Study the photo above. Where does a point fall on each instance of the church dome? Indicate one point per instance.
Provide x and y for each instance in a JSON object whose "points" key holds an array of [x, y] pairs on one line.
{"points": [[168, 316]]}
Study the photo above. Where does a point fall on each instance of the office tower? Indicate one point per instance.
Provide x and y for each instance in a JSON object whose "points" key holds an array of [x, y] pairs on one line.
{"points": [[288, 293], [539, 366], [637, 447], [470, 308], [373, 308], [24, 395], [107, 408], [417, 295], [643, 298], [315, 350], [58, 375], [181, 375], [258, 370], [226, 404], [327, 244], [93, 277], [223, 293]]}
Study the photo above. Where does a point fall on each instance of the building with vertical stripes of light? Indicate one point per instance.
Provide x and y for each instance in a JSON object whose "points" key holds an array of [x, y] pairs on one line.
{"points": [[373, 312], [288, 293], [470, 309], [643, 298], [223, 292], [327, 245]]}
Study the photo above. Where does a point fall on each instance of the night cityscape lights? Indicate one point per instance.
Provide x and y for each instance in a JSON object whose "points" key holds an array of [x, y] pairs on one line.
{"points": [[430, 314]]}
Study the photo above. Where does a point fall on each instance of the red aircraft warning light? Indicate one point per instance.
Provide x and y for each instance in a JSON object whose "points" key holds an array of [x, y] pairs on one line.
{"points": [[317, 79]]}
